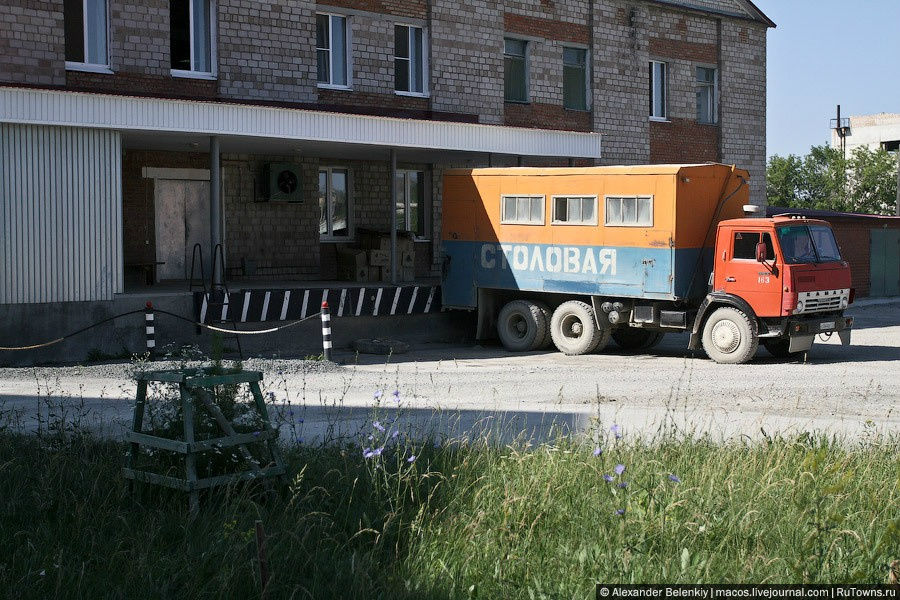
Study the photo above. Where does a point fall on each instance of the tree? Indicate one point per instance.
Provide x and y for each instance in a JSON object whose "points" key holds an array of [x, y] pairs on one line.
{"points": [[865, 182]]}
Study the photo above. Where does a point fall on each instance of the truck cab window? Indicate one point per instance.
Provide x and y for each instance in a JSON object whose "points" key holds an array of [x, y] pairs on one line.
{"points": [[806, 244], [745, 245]]}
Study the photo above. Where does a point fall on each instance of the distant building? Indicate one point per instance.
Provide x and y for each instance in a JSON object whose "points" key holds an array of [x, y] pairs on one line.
{"points": [[873, 131]]}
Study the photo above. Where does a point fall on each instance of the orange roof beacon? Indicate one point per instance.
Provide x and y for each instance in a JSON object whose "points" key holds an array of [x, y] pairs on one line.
{"points": [[576, 256]]}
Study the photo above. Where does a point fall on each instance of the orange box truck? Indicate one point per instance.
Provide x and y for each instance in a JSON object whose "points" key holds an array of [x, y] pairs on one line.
{"points": [[578, 256]]}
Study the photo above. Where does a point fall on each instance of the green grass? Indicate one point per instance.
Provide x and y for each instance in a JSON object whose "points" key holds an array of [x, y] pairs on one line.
{"points": [[463, 520]]}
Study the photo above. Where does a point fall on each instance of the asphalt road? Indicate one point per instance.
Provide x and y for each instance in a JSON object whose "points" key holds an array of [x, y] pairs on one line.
{"points": [[851, 392]]}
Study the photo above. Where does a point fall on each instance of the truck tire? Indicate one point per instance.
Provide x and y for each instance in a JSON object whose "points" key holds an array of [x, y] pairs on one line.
{"points": [[603, 337], [520, 324], [548, 314], [635, 339], [728, 336], [573, 328], [779, 349]]}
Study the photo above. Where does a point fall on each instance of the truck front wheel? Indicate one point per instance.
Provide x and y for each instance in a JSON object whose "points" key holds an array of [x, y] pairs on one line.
{"points": [[728, 336], [573, 328], [521, 326]]}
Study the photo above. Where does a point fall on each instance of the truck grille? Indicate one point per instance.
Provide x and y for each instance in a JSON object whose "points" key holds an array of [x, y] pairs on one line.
{"points": [[824, 300]]}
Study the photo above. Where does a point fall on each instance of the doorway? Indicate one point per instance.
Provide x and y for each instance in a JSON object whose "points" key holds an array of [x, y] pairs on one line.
{"points": [[182, 220]]}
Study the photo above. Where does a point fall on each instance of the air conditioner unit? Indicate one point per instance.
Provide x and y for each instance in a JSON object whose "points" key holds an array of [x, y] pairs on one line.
{"points": [[283, 181]]}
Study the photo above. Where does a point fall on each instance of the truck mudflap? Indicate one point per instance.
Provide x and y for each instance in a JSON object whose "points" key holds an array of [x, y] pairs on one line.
{"points": [[801, 333]]}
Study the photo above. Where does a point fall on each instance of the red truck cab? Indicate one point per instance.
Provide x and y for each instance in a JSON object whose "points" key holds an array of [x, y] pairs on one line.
{"points": [[786, 279]]}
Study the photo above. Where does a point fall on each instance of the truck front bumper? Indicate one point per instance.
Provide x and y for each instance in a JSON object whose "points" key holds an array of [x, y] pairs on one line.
{"points": [[801, 332]]}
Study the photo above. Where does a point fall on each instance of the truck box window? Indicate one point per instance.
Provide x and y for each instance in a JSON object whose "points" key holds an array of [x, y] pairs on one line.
{"points": [[629, 211], [575, 210], [522, 210]]}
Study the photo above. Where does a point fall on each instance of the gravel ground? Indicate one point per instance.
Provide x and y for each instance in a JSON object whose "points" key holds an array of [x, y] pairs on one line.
{"points": [[450, 390]]}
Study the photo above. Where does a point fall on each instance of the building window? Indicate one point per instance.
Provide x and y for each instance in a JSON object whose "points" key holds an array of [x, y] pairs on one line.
{"points": [[86, 32], [331, 50], [334, 203], [575, 78], [658, 90], [412, 203], [574, 210], [522, 210], [629, 211], [707, 102], [191, 39], [409, 59], [515, 70], [891, 145]]}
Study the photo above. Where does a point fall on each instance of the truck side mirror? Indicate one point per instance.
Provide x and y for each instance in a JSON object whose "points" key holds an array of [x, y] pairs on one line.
{"points": [[761, 252]]}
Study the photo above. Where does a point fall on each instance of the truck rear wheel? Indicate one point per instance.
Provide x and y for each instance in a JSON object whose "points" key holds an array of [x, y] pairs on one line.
{"points": [[728, 336], [573, 328], [635, 339], [521, 325], [548, 315]]}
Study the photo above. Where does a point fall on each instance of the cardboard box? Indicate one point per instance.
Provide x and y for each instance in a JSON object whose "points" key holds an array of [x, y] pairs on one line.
{"points": [[407, 259], [379, 258], [407, 274], [384, 274], [351, 265]]}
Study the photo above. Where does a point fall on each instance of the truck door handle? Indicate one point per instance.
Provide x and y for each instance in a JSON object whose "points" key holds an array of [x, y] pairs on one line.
{"points": [[730, 279]]}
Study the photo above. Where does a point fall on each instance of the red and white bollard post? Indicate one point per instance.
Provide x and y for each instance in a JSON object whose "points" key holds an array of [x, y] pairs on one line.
{"points": [[150, 328], [326, 332]]}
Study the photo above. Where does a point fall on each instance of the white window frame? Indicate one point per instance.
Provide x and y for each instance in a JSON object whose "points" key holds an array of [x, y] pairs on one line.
{"points": [[85, 66], [348, 46], [351, 231], [527, 59], [426, 74], [665, 90], [567, 197], [715, 92], [636, 197], [213, 61], [587, 76], [517, 221], [424, 203]]}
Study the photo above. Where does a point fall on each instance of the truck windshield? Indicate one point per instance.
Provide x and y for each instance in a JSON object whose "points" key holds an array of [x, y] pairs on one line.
{"points": [[808, 243]]}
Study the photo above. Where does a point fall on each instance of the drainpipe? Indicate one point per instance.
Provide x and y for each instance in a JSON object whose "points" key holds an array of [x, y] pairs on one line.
{"points": [[898, 183], [393, 213], [215, 208]]}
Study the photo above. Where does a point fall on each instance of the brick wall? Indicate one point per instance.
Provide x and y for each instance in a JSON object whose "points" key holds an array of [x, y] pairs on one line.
{"points": [[743, 101], [467, 58], [267, 50], [278, 239], [32, 44], [683, 141], [414, 9], [546, 116]]}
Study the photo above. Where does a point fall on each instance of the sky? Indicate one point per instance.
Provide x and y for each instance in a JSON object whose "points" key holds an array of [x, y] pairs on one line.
{"points": [[824, 53]]}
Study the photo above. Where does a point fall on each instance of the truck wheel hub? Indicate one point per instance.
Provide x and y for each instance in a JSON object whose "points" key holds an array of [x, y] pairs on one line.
{"points": [[726, 336]]}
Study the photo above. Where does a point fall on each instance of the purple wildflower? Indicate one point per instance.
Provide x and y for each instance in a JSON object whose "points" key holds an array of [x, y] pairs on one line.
{"points": [[377, 451], [378, 394], [367, 453], [300, 420], [620, 512], [395, 434], [620, 468], [674, 478], [623, 485], [616, 430], [255, 434], [411, 459], [396, 393], [598, 451], [378, 426], [608, 478]]}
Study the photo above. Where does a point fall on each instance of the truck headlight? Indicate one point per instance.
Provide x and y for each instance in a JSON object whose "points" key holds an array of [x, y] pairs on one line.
{"points": [[799, 308], [844, 302]]}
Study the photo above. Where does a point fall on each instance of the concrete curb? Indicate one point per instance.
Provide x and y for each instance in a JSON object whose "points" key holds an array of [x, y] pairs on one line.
{"points": [[866, 302]]}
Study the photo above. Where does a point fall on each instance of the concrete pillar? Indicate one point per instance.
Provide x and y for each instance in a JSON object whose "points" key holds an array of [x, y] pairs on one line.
{"points": [[215, 210], [393, 221]]}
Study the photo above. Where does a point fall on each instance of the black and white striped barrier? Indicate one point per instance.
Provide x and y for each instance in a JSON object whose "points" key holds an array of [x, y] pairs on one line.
{"points": [[326, 332], [260, 305], [150, 330]]}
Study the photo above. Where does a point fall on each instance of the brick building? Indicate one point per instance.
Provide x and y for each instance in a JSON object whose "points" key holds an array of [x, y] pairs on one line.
{"points": [[130, 130]]}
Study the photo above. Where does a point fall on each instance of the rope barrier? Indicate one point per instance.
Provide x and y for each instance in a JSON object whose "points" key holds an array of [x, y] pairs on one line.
{"points": [[165, 312]]}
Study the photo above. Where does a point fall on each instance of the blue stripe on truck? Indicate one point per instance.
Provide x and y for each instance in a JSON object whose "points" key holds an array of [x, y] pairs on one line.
{"points": [[652, 273]]}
